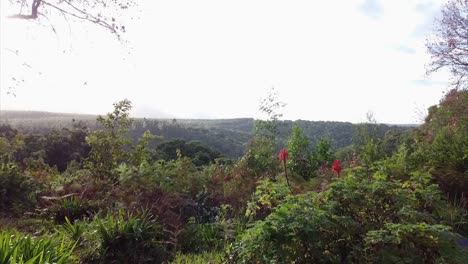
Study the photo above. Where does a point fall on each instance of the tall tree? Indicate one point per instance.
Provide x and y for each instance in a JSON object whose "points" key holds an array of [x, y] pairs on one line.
{"points": [[300, 156], [448, 46], [271, 107], [108, 144]]}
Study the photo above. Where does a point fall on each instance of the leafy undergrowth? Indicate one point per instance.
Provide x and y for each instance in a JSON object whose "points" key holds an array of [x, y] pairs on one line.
{"points": [[359, 219], [19, 248], [203, 258]]}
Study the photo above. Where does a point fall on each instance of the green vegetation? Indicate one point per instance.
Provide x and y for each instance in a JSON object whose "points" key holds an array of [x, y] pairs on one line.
{"points": [[24, 249], [229, 137], [400, 197], [359, 219]]}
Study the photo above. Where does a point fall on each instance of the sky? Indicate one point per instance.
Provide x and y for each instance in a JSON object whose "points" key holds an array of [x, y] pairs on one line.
{"points": [[328, 60]]}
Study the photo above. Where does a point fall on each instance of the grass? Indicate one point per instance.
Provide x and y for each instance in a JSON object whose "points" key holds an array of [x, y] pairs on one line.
{"points": [[203, 258], [20, 248]]}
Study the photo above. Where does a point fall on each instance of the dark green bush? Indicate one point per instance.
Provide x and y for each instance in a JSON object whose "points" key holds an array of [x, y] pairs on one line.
{"points": [[73, 209], [359, 219], [16, 189], [197, 238], [412, 243], [127, 238]]}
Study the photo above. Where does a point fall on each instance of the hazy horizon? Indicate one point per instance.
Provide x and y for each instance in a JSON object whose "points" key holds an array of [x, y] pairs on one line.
{"points": [[61, 114]]}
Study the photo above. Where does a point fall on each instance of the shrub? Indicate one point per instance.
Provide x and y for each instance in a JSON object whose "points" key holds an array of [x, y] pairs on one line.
{"points": [[197, 238], [267, 195], [300, 161], [412, 243], [360, 219], [16, 190], [127, 238], [74, 230], [72, 208], [202, 237]]}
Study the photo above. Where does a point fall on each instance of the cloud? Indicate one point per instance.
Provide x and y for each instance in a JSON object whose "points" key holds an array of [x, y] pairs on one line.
{"points": [[425, 82], [430, 12], [405, 49], [372, 9], [425, 7]]}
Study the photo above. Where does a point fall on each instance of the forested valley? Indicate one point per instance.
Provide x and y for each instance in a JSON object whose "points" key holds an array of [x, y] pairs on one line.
{"points": [[229, 137]]}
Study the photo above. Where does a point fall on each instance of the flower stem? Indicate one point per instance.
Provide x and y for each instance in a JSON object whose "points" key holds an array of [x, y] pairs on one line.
{"points": [[286, 176]]}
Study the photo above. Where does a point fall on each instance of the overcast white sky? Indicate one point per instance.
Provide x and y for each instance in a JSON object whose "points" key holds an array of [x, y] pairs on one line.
{"points": [[329, 60]]}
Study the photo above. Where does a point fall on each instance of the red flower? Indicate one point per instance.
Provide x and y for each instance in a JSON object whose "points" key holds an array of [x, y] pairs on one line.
{"points": [[226, 178], [283, 154], [337, 167]]}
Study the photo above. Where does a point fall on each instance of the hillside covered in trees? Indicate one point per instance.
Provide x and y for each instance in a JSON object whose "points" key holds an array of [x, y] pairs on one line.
{"points": [[229, 137]]}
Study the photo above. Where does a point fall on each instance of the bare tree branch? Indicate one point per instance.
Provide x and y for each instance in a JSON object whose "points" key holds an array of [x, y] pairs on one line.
{"points": [[99, 12], [448, 46]]}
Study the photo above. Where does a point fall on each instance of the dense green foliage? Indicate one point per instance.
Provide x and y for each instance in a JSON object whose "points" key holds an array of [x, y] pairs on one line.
{"points": [[442, 142], [107, 144], [359, 219], [199, 154], [18, 248], [400, 198], [16, 189], [129, 239], [229, 137], [300, 161]]}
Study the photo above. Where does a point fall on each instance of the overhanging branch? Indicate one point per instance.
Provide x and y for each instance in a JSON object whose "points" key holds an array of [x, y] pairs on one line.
{"points": [[34, 11]]}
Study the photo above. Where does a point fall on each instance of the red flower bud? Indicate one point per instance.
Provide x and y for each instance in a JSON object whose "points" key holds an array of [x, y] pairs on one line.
{"points": [[337, 167], [283, 154]]}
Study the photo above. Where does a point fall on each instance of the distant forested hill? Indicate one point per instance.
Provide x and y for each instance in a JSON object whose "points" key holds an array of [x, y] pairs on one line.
{"points": [[228, 136]]}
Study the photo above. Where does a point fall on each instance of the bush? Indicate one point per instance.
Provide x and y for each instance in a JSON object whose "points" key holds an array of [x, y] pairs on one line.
{"points": [[294, 232], [202, 237], [127, 238], [197, 238], [267, 195], [359, 219], [16, 190], [412, 243], [73, 209]]}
